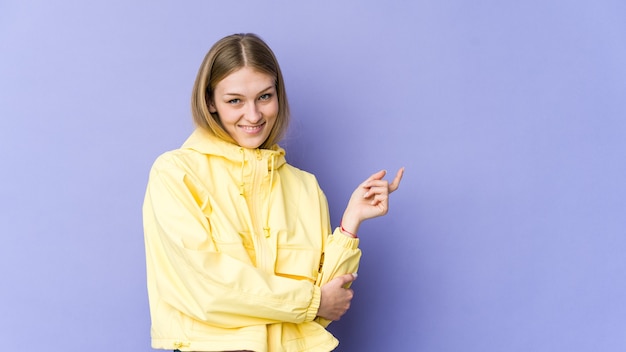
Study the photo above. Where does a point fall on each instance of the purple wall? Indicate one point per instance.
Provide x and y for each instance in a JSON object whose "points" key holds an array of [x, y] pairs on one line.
{"points": [[508, 233]]}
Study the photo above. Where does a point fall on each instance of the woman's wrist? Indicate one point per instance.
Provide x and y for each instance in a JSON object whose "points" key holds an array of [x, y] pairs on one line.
{"points": [[349, 226], [346, 232]]}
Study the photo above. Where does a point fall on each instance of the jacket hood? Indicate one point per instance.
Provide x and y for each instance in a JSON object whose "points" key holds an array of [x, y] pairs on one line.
{"points": [[205, 142]]}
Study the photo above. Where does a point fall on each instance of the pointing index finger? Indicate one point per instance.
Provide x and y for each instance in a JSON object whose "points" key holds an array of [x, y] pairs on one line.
{"points": [[396, 181]]}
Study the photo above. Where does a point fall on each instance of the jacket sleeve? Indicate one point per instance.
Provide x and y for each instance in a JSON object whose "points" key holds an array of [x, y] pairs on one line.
{"points": [[201, 282], [341, 254]]}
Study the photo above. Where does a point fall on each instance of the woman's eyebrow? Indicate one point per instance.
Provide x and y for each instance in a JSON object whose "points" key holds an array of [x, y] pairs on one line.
{"points": [[240, 95]]}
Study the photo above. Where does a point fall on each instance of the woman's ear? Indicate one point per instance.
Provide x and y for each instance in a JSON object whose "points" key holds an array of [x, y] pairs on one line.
{"points": [[212, 108]]}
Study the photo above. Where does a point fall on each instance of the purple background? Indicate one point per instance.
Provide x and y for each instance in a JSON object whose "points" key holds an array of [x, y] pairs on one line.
{"points": [[508, 233]]}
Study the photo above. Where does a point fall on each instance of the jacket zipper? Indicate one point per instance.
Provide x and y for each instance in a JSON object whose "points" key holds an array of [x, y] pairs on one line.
{"points": [[256, 213]]}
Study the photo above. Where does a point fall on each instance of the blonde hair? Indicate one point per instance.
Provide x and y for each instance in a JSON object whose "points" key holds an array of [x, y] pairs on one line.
{"points": [[228, 55]]}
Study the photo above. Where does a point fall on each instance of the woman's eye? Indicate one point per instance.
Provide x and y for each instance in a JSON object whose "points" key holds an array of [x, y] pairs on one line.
{"points": [[265, 96], [234, 101]]}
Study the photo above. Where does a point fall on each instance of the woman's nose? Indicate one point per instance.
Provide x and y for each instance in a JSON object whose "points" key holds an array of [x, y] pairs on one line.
{"points": [[253, 114]]}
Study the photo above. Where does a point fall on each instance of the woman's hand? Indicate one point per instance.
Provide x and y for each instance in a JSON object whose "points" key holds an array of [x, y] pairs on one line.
{"points": [[369, 200], [336, 298]]}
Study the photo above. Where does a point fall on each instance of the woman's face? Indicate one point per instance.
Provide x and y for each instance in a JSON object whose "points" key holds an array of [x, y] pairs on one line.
{"points": [[247, 106]]}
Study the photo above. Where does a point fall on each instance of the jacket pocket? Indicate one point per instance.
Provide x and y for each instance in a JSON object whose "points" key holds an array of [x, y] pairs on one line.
{"points": [[240, 248], [297, 263]]}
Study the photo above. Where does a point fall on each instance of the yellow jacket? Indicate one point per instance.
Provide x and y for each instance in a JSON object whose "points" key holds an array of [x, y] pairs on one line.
{"points": [[238, 244]]}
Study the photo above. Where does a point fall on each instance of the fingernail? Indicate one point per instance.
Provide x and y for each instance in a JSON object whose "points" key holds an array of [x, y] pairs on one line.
{"points": [[355, 275]]}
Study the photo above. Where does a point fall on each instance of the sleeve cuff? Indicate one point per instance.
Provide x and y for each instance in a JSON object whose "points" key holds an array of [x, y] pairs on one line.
{"points": [[311, 312], [344, 241]]}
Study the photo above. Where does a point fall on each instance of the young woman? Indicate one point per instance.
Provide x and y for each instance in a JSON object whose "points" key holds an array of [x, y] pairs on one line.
{"points": [[240, 252]]}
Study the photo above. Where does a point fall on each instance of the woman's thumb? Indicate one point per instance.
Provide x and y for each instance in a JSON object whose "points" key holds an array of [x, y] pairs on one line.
{"points": [[347, 278]]}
